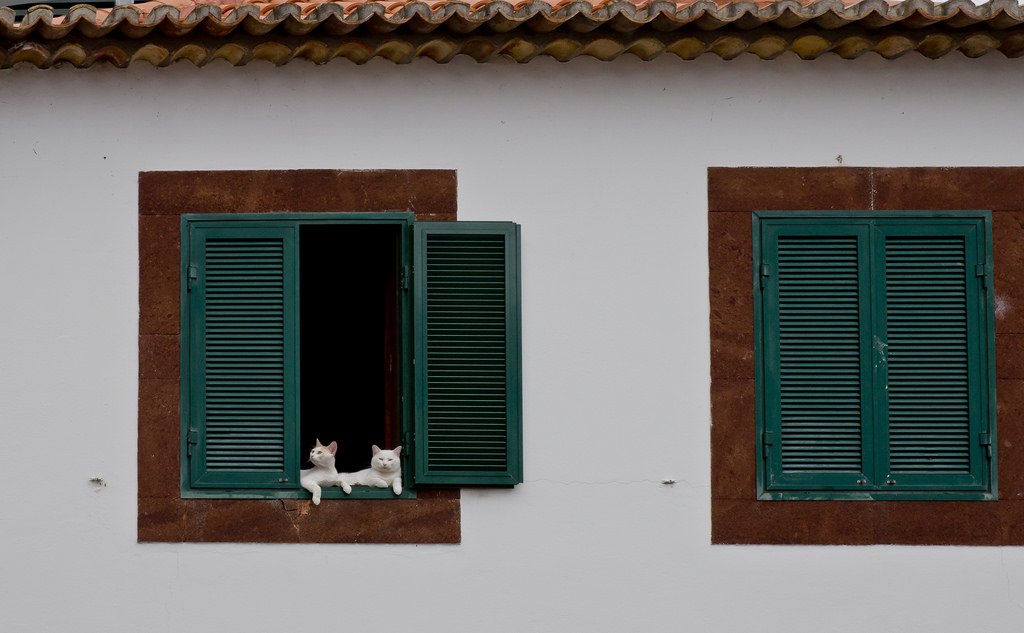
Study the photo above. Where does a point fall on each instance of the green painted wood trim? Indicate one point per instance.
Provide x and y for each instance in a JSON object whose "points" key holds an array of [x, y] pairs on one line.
{"points": [[988, 348], [232, 264], [184, 361], [462, 451], [358, 493], [875, 495]]}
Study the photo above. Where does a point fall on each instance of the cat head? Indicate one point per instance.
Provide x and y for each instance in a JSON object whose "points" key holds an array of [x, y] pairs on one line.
{"points": [[323, 455], [386, 461]]}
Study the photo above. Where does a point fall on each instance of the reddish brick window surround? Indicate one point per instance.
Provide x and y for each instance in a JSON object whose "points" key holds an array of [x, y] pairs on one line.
{"points": [[737, 516], [433, 517]]}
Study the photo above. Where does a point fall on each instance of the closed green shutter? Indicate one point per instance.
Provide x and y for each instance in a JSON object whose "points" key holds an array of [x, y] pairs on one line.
{"points": [[875, 354], [467, 353], [242, 302], [817, 433], [931, 322]]}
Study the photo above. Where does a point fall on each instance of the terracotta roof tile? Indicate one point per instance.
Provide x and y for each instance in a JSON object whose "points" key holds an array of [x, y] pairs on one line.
{"points": [[279, 30], [680, 10]]}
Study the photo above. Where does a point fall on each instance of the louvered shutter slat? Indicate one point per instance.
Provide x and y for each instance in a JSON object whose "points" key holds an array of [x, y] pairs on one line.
{"points": [[467, 353], [243, 347]]}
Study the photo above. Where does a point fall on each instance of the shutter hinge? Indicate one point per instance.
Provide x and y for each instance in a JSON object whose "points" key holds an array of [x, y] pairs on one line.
{"points": [[767, 439], [981, 270], [985, 439], [766, 272], [193, 276], [405, 277], [193, 440]]}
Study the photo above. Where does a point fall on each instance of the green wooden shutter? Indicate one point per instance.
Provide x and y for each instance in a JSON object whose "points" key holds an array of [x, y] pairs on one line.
{"points": [[467, 353], [932, 333], [874, 349], [817, 431], [242, 329]]}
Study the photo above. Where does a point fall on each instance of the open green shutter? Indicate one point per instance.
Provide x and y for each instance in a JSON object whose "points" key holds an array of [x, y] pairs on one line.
{"points": [[932, 328], [242, 329], [816, 347], [467, 353]]}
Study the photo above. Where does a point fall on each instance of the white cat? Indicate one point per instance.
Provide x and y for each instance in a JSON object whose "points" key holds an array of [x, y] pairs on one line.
{"points": [[323, 472], [385, 470]]}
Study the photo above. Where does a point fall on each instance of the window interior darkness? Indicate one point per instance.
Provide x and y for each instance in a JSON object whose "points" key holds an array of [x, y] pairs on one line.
{"points": [[348, 340]]}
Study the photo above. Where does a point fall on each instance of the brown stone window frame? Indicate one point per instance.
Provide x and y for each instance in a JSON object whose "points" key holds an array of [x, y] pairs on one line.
{"points": [[736, 514], [163, 516]]}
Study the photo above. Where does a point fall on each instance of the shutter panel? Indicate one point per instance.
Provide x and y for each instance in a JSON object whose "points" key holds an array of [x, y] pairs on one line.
{"points": [[243, 346], [933, 341], [467, 353], [875, 339], [816, 347]]}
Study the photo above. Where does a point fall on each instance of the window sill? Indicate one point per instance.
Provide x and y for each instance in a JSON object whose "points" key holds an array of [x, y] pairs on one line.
{"points": [[432, 517], [358, 492], [878, 495]]}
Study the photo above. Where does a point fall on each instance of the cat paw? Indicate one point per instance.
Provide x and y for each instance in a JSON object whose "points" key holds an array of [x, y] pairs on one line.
{"points": [[397, 488], [346, 488], [316, 500]]}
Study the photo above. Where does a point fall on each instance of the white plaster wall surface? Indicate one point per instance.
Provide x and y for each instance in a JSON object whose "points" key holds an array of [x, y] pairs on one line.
{"points": [[604, 165]]}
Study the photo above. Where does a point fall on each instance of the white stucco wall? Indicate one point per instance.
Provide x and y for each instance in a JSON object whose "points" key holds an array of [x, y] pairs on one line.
{"points": [[604, 165]]}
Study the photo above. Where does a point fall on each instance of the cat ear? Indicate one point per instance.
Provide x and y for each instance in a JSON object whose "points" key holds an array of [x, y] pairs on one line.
{"points": [[318, 443], [398, 451], [333, 447], [376, 449]]}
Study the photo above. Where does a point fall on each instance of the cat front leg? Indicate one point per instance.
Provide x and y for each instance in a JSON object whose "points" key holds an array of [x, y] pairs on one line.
{"points": [[397, 485], [346, 488], [376, 482], [314, 489]]}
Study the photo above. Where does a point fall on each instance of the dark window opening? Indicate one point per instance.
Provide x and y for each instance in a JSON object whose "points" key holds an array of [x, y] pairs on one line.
{"points": [[348, 297]]}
